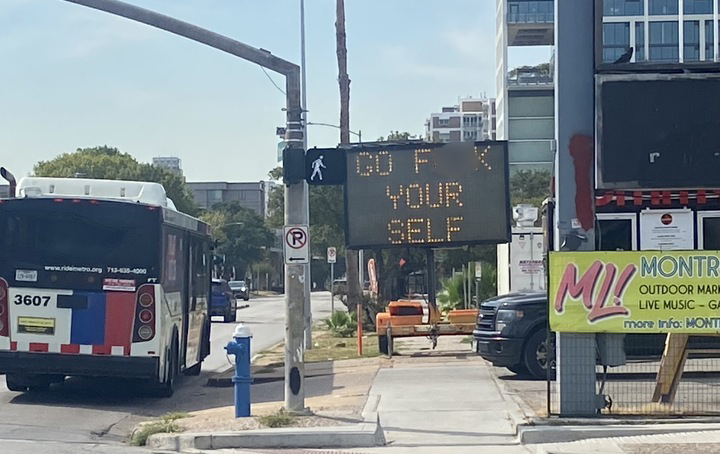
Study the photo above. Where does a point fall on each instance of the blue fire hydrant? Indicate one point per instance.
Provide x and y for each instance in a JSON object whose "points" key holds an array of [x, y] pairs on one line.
{"points": [[240, 347]]}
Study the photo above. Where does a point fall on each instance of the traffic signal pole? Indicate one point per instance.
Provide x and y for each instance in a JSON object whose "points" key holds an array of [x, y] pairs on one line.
{"points": [[296, 194]]}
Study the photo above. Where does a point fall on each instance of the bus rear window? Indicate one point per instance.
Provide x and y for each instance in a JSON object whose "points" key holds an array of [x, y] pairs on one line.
{"points": [[117, 238]]}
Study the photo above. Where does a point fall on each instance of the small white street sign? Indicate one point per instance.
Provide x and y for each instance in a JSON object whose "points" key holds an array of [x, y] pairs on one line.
{"points": [[296, 244], [331, 255]]}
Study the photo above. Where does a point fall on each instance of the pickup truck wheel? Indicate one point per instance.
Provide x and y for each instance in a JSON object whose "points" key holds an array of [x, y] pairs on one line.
{"points": [[537, 354], [518, 369]]}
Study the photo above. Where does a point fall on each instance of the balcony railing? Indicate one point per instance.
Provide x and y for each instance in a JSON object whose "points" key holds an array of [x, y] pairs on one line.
{"points": [[527, 79], [531, 18]]}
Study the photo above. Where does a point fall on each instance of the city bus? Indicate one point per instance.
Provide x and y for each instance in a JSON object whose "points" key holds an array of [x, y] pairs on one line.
{"points": [[101, 278]]}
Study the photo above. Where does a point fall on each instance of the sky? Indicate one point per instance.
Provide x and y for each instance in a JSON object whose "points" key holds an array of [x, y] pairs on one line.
{"points": [[76, 77]]}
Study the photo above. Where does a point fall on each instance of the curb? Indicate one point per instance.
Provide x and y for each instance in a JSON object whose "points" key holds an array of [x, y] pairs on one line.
{"points": [[364, 435], [533, 434], [522, 415], [226, 382]]}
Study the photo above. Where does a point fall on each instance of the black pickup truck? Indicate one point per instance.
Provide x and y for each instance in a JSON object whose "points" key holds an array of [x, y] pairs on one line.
{"points": [[511, 332]]}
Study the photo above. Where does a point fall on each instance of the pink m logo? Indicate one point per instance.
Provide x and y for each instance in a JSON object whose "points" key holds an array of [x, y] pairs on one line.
{"points": [[585, 287]]}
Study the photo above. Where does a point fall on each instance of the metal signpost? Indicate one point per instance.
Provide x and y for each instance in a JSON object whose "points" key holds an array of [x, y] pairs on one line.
{"points": [[332, 258]]}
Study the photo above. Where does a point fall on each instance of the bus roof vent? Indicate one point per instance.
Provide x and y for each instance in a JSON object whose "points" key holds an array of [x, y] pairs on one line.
{"points": [[135, 191]]}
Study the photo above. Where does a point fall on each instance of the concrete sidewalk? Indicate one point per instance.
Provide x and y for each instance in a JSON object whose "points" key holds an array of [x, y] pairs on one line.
{"points": [[444, 399], [429, 401]]}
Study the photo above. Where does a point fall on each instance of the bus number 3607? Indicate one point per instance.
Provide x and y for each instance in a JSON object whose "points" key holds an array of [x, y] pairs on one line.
{"points": [[30, 300]]}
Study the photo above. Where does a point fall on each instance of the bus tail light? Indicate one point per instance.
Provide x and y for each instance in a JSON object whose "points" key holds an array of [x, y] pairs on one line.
{"points": [[144, 314], [4, 309]]}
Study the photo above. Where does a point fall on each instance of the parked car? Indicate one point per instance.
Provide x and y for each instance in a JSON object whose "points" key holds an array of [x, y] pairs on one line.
{"points": [[223, 301], [240, 289], [511, 332]]}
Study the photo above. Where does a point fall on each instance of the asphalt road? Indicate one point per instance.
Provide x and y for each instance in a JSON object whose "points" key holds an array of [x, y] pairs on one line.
{"points": [[94, 415]]}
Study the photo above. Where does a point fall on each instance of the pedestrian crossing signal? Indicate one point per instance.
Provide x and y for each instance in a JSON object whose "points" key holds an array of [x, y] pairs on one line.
{"points": [[325, 166]]}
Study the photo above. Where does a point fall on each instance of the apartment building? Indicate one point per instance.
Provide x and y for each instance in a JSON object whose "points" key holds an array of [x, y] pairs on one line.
{"points": [[669, 31], [471, 120], [525, 95]]}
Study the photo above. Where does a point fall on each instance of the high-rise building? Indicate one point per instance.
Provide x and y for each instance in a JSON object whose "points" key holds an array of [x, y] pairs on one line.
{"points": [[171, 163], [471, 120], [525, 95], [671, 31]]}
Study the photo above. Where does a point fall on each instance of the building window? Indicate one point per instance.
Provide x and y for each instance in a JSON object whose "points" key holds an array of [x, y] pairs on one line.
{"points": [[663, 41], [444, 137], [534, 11], [471, 121], [443, 121], [663, 7], [709, 41], [214, 197], [698, 7], [691, 38], [639, 41], [616, 40], [623, 8]]}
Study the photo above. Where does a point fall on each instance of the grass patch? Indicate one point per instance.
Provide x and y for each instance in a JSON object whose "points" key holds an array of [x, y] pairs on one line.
{"points": [[280, 418], [167, 424], [467, 340], [328, 346]]}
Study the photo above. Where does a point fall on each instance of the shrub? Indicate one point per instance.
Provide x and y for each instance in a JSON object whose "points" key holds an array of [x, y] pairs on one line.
{"points": [[280, 418], [166, 425], [342, 323]]}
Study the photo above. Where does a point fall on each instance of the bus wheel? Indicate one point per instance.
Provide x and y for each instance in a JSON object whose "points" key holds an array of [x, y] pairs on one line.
{"points": [[167, 386], [15, 383]]}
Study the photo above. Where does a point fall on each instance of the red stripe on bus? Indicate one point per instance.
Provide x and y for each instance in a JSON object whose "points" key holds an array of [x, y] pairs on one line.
{"points": [[70, 348], [101, 349], [119, 314], [38, 347]]}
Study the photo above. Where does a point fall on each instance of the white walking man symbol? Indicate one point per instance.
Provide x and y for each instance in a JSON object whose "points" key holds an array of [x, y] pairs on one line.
{"points": [[317, 165]]}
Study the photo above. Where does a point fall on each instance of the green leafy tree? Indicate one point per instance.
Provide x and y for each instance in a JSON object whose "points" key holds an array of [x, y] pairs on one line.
{"points": [[242, 236], [397, 136], [529, 187], [109, 163]]}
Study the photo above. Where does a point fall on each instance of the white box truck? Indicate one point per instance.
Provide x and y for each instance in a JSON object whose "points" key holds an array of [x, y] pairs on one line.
{"points": [[520, 266]]}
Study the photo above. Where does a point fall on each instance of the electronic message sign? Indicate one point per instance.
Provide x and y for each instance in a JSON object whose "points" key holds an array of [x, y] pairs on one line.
{"points": [[427, 195], [658, 131]]}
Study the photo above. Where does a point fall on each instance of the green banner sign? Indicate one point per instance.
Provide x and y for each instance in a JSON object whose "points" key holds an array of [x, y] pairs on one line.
{"points": [[635, 292]]}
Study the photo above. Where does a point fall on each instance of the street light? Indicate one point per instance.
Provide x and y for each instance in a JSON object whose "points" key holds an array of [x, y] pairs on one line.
{"points": [[358, 134]]}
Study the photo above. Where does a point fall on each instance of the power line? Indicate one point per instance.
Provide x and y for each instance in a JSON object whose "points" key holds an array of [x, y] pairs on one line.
{"points": [[272, 81]]}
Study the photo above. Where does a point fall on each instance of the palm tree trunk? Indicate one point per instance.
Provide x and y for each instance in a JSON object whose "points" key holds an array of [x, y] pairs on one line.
{"points": [[351, 256]]}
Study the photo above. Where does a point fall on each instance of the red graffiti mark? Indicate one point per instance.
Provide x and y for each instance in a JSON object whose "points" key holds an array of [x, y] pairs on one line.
{"points": [[584, 287], [605, 199], [582, 152]]}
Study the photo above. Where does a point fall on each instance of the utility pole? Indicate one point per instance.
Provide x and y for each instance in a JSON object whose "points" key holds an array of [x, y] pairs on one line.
{"points": [[351, 256], [574, 185], [295, 194]]}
